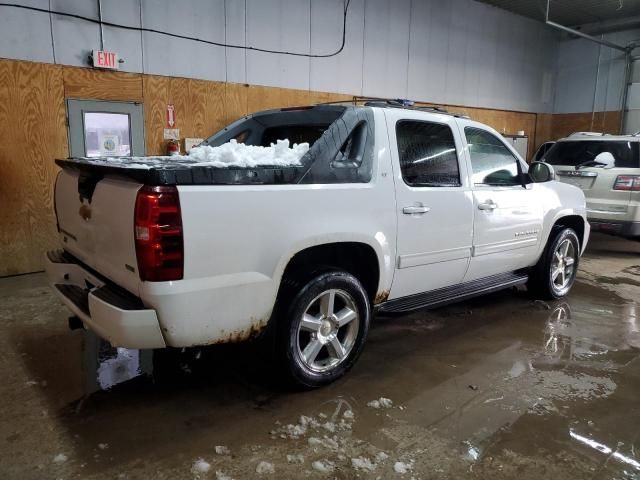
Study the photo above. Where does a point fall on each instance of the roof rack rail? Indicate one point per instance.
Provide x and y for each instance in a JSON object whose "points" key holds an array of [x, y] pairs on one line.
{"points": [[589, 134], [396, 103], [406, 104]]}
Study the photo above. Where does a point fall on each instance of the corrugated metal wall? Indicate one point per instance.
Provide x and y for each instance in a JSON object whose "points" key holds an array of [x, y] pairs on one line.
{"points": [[448, 51], [576, 79]]}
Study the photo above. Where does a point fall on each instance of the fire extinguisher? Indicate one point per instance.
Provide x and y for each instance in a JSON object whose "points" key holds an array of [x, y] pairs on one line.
{"points": [[173, 147]]}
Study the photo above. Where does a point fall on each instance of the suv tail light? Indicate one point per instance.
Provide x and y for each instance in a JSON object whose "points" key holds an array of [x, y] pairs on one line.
{"points": [[158, 234], [627, 182]]}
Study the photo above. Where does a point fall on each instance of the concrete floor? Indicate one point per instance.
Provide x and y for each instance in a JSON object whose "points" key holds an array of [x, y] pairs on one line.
{"points": [[497, 387]]}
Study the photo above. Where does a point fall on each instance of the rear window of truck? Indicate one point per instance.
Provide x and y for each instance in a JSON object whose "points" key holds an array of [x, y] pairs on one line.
{"points": [[574, 153]]}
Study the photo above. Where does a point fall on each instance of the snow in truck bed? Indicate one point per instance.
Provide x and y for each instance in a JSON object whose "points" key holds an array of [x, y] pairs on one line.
{"points": [[230, 154]]}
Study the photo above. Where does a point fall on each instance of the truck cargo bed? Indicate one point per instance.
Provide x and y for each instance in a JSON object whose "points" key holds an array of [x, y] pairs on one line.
{"points": [[167, 171]]}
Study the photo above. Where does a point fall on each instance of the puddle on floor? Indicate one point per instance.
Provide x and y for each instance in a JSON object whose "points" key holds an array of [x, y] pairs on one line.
{"points": [[497, 387]]}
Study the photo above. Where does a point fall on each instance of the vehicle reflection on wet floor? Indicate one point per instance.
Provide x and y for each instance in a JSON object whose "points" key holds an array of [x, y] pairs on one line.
{"points": [[495, 387]]}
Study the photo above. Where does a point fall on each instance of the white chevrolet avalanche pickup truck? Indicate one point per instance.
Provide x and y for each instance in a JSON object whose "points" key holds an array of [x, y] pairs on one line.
{"points": [[391, 209]]}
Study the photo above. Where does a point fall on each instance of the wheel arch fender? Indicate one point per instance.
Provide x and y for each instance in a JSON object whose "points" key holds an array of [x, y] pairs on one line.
{"points": [[325, 250], [565, 217]]}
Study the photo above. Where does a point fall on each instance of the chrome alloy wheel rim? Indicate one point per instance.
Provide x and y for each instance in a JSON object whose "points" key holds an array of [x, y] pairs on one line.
{"points": [[328, 330], [563, 265]]}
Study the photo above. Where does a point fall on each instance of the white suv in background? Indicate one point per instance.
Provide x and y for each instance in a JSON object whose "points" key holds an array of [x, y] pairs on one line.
{"points": [[607, 169]]}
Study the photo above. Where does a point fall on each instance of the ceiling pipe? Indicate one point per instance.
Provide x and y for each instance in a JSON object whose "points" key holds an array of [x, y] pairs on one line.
{"points": [[608, 26], [628, 60], [101, 27], [578, 33]]}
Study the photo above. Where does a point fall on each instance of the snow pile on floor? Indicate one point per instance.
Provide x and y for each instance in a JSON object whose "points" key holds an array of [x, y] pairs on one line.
{"points": [[382, 402], [363, 463], [381, 457], [60, 458], [324, 442], [222, 450], [402, 467], [265, 468], [324, 466], [295, 458], [200, 466], [234, 154], [306, 424]]}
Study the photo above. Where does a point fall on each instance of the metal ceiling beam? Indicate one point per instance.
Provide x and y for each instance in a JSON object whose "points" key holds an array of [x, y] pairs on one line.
{"points": [[608, 26], [578, 33]]}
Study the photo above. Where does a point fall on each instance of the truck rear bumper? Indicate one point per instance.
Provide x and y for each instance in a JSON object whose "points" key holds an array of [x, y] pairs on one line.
{"points": [[113, 314], [625, 229]]}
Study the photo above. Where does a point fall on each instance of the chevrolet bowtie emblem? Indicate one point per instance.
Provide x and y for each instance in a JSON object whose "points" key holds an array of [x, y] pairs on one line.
{"points": [[85, 212]]}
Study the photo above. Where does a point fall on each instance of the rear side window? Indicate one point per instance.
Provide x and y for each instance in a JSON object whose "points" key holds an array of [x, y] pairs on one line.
{"points": [[544, 148], [492, 162], [427, 153], [579, 152]]}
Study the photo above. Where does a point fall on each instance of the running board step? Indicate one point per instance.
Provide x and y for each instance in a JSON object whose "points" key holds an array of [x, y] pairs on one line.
{"points": [[444, 296]]}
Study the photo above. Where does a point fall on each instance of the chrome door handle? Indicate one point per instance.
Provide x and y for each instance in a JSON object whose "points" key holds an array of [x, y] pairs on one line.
{"points": [[415, 209], [488, 205]]}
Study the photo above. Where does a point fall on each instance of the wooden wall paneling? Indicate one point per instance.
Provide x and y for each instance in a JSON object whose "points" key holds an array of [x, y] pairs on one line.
{"points": [[544, 129], [235, 102], [265, 98], [612, 122], [102, 85], [49, 140], [156, 96], [179, 96], [15, 235], [33, 134], [213, 118], [564, 124], [298, 98]]}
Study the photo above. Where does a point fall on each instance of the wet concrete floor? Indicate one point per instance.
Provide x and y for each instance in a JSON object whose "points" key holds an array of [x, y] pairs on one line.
{"points": [[497, 387]]}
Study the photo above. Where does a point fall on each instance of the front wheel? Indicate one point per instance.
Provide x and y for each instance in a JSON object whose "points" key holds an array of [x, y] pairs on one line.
{"points": [[324, 329], [555, 273]]}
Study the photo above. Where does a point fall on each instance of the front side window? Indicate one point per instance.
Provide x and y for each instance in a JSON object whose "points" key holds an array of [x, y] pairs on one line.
{"points": [[492, 162], [427, 153]]}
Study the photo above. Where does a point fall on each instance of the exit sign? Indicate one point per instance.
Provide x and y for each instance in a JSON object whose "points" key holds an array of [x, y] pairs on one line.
{"points": [[103, 59]]}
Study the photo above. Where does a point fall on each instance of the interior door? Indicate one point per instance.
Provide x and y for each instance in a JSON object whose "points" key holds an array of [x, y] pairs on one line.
{"points": [[508, 217], [433, 200], [104, 129]]}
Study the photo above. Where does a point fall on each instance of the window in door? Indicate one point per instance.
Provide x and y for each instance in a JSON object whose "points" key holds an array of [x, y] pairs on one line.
{"points": [[492, 162], [107, 134], [427, 152]]}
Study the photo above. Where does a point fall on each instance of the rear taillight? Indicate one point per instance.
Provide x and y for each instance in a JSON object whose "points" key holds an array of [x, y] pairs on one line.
{"points": [[630, 183], [158, 234]]}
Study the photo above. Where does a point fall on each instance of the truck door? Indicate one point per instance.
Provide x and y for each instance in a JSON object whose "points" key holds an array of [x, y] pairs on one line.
{"points": [[433, 201], [508, 217]]}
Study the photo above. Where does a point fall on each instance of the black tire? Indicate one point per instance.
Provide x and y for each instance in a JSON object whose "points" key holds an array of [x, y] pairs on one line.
{"points": [[301, 298], [541, 280]]}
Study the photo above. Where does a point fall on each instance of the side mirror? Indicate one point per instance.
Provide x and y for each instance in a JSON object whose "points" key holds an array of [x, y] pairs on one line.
{"points": [[541, 172], [606, 159]]}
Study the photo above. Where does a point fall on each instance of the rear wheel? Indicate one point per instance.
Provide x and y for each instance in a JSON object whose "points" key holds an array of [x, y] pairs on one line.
{"points": [[555, 273], [324, 328]]}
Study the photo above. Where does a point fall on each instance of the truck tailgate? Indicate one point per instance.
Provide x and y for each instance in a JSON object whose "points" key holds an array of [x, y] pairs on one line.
{"points": [[97, 225]]}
